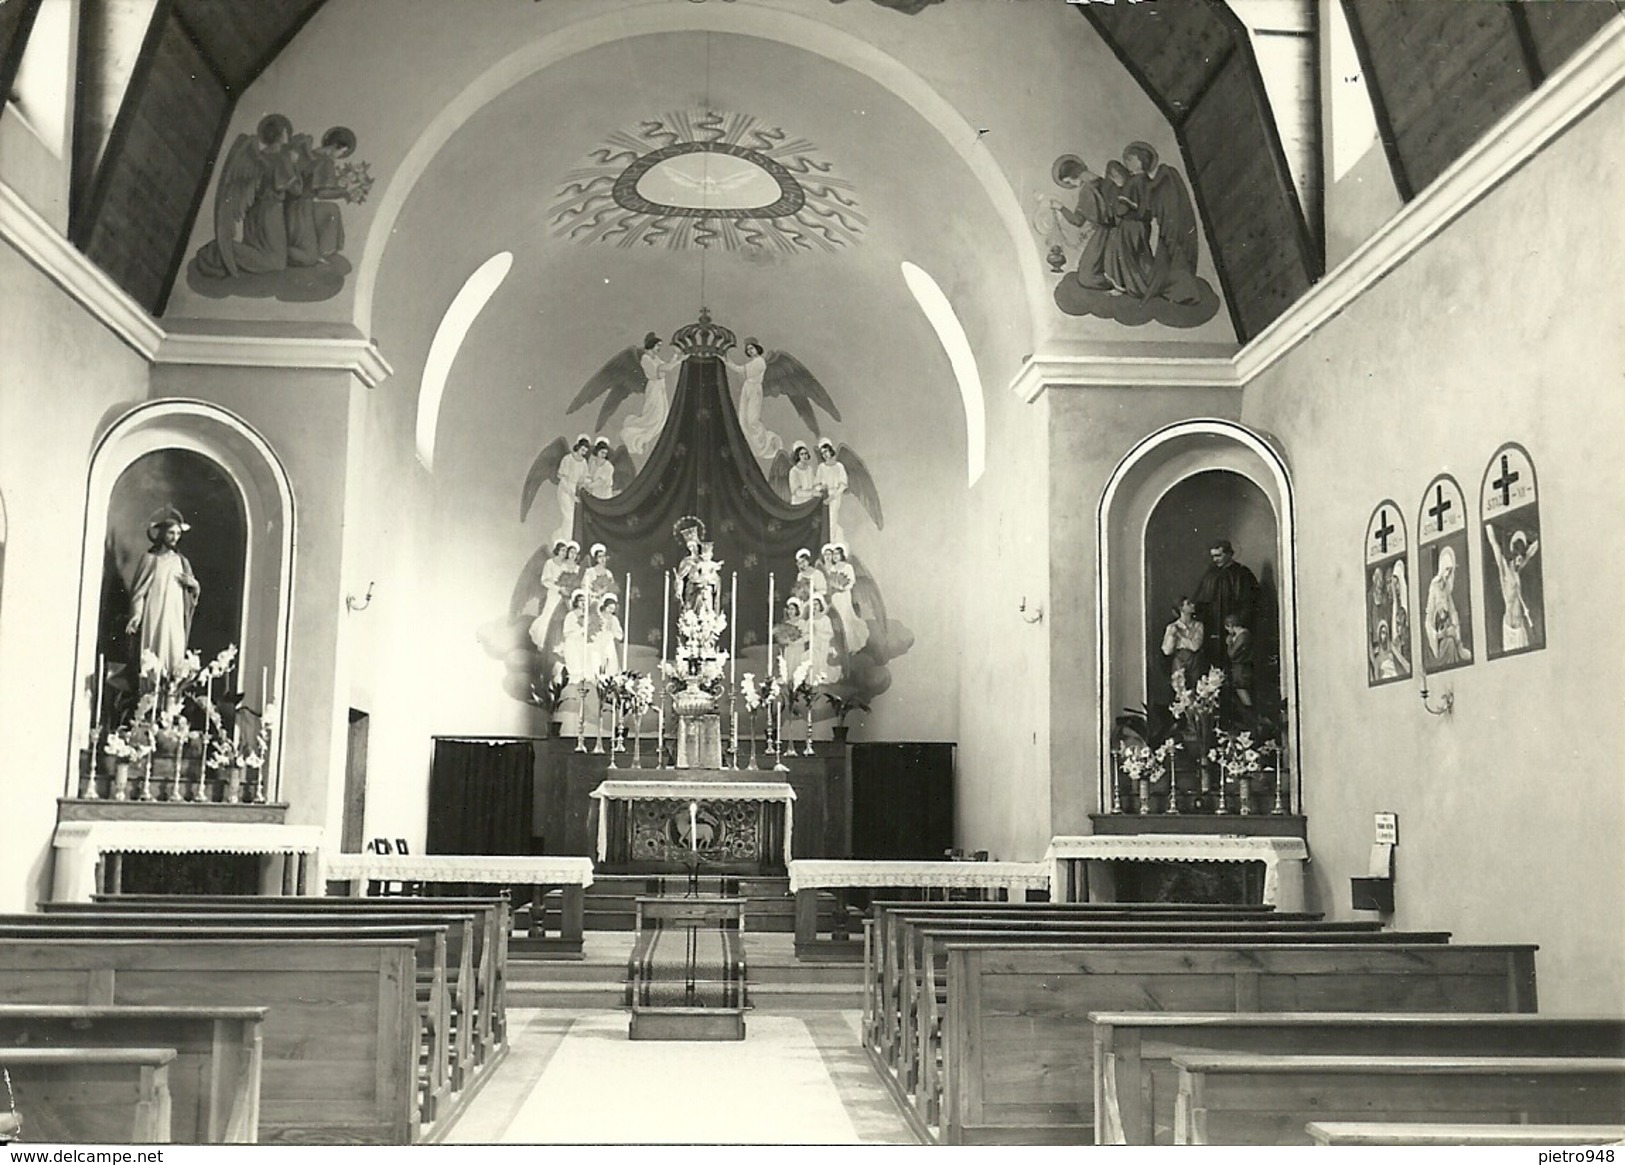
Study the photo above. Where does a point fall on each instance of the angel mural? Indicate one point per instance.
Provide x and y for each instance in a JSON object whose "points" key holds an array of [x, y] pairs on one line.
{"points": [[278, 225], [1132, 240], [839, 472], [582, 466], [712, 452], [618, 380]]}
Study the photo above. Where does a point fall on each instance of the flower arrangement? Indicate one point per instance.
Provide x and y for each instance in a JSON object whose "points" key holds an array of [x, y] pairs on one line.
{"points": [[1140, 762], [130, 743], [804, 685], [629, 692], [225, 752], [355, 179], [1196, 704], [1235, 753]]}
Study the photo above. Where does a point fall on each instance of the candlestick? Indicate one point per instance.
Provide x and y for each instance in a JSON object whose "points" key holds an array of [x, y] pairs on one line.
{"points": [[626, 621]]}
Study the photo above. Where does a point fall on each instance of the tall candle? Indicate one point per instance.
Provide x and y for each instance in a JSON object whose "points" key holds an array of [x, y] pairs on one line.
{"points": [[626, 615], [265, 687], [693, 826], [770, 624], [96, 696], [665, 610], [733, 631]]}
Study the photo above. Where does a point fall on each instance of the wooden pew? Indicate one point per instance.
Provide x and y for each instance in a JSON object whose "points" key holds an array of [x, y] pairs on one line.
{"points": [[460, 1021], [1136, 1082], [92, 1095], [883, 974], [1019, 1048], [490, 953], [1387, 1135], [430, 979], [214, 1080], [902, 969], [1228, 1098], [341, 1033], [926, 966]]}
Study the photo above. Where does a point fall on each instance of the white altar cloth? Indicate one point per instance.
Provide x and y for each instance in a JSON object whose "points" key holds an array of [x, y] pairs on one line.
{"points": [[1283, 857], [79, 846], [694, 791], [834, 873], [475, 869]]}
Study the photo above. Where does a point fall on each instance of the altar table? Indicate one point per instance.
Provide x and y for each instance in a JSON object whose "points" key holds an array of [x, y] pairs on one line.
{"points": [[808, 876], [702, 790], [89, 862], [1081, 865], [574, 875]]}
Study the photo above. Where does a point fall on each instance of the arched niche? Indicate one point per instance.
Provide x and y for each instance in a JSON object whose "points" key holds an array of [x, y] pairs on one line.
{"points": [[1167, 501], [234, 493]]}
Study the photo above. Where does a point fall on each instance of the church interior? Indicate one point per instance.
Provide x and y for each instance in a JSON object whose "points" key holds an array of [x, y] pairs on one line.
{"points": [[850, 551]]}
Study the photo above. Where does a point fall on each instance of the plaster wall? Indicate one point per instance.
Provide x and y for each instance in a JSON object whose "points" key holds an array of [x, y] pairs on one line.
{"points": [[1093, 429], [65, 378], [1511, 807]]}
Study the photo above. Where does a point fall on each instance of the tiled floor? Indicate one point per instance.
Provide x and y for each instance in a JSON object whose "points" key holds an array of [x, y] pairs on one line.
{"points": [[573, 1077]]}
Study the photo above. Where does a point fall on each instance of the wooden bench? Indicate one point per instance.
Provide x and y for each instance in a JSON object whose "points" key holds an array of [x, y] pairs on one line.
{"points": [[901, 972], [1018, 1046], [214, 1080], [460, 1020], [1245, 1099], [926, 961], [341, 1033], [883, 959], [1136, 1082], [1386, 1134], [490, 952], [92, 1095], [430, 979]]}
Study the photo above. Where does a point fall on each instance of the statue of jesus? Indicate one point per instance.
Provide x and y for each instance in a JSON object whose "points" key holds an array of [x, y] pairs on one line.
{"points": [[164, 596]]}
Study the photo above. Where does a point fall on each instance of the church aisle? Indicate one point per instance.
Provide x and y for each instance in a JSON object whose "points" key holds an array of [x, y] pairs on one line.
{"points": [[571, 1076]]}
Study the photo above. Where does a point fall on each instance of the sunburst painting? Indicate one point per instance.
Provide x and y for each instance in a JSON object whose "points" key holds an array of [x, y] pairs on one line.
{"points": [[708, 179]]}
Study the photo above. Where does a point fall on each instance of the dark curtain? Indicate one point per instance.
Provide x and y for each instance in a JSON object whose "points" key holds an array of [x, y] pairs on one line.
{"points": [[702, 465], [480, 794], [902, 801]]}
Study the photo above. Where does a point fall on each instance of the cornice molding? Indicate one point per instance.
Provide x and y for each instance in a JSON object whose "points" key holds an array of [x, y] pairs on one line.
{"points": [[1041, 374], [1568, 95], [59, 261], [64, 265], [355, 355]]}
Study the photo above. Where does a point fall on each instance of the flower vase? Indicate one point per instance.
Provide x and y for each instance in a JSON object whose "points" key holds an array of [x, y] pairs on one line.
{"points": [[637, 743], [233, 780], [123, 776], [1244, 798], [1145, 795], [752, 765], [598, 740], [146, 780]]}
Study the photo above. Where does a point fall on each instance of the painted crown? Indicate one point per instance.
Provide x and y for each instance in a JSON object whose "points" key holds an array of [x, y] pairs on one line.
{"points": [[703, 338]]}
